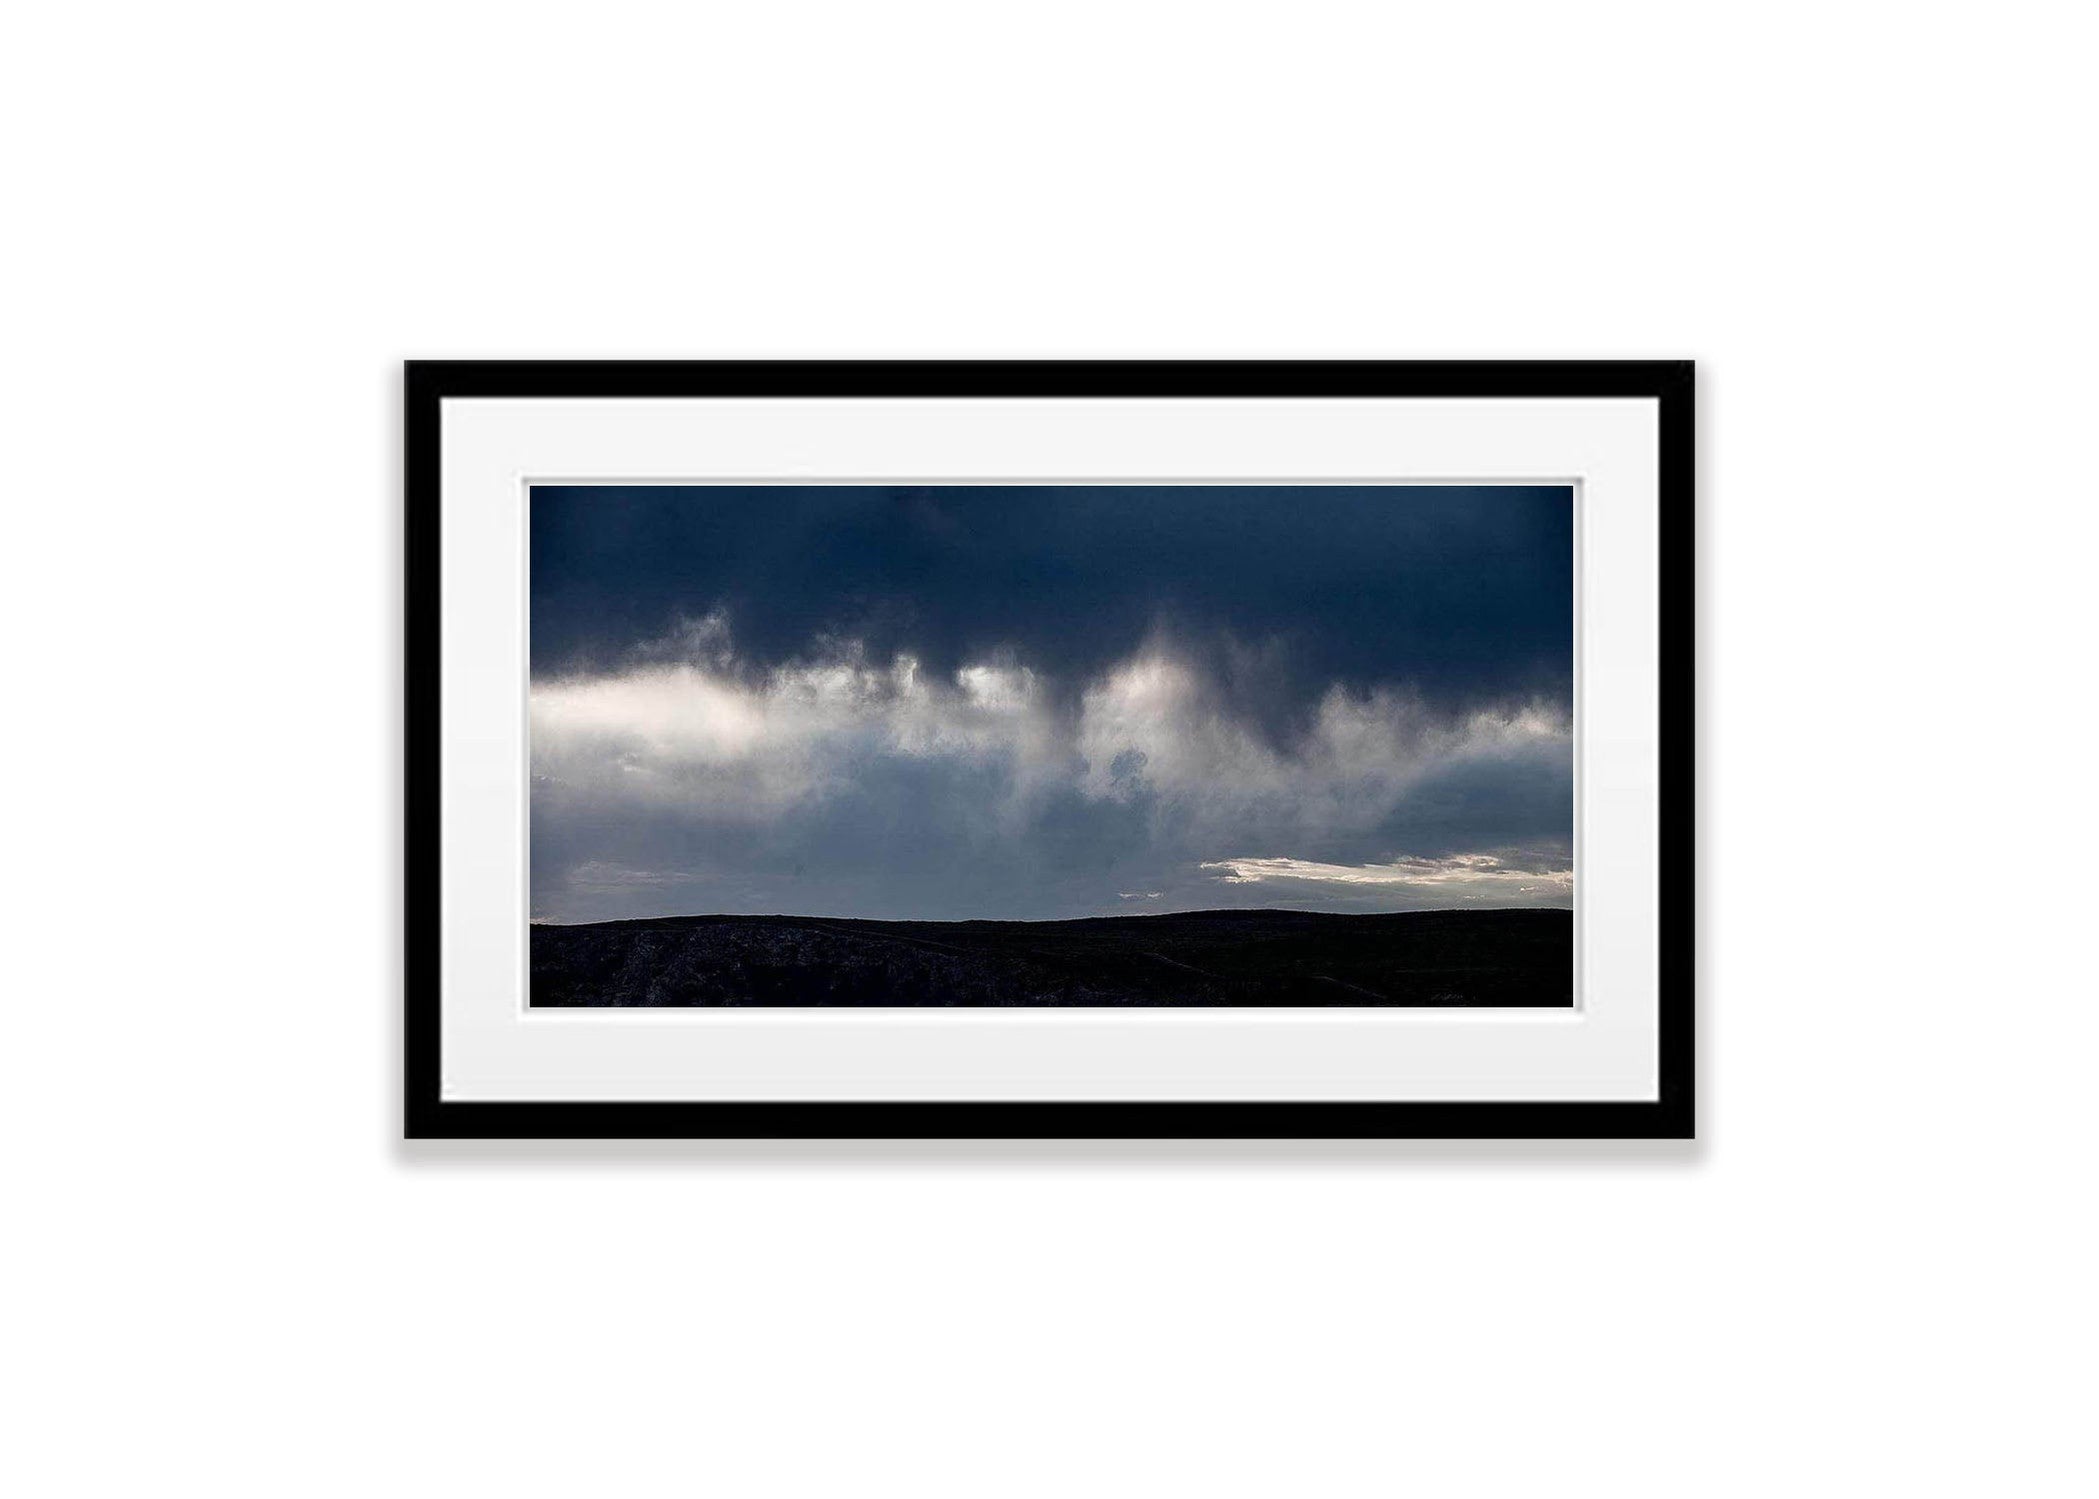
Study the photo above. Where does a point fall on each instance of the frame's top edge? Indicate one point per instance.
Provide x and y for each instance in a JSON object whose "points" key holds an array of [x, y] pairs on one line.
{"points": [[439, 379]]}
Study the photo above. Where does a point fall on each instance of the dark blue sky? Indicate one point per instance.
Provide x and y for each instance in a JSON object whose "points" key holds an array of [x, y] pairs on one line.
{"points": [[1048, 701]]}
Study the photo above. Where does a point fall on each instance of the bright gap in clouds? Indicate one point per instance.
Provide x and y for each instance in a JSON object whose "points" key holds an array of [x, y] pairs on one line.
{"points": [[1462, 876]]}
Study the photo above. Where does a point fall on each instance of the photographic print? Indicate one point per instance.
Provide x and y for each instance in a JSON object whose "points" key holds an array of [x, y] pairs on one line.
{"points": [[983, 749], [1051, 745]]}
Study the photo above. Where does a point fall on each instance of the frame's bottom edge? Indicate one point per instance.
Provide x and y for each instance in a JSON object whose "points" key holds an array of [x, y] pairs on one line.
{"points": [[1663, 1119]]}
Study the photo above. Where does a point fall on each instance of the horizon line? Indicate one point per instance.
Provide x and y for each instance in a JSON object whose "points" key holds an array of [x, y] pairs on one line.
{"points": [[1041, 920]]}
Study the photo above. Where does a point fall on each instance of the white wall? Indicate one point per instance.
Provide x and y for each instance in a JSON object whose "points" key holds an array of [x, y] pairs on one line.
{"points": [[1871, 224]]}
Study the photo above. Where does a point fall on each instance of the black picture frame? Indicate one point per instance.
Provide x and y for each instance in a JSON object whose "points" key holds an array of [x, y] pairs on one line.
{"points": [[1671, 1115]]}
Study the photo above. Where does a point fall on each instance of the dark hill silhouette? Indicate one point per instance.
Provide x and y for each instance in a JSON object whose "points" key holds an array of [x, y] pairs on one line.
{"points": [[1293, 958]]}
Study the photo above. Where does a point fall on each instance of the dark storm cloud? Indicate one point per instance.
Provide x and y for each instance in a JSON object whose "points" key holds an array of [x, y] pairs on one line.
{"points": [[1044, 702], [1279, 593]]}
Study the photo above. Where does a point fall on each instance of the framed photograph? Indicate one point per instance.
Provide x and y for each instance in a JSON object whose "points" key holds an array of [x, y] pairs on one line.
{"points": [[1049, 749]]}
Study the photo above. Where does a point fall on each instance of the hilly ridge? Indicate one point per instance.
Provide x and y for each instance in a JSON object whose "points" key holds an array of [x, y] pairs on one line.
{"points": [[1199, 958]]}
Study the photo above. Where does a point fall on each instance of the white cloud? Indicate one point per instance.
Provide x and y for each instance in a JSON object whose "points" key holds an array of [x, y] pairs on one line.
{"points": [[598, 874], [699, 733], [1461, 876], [1151, 727]]}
